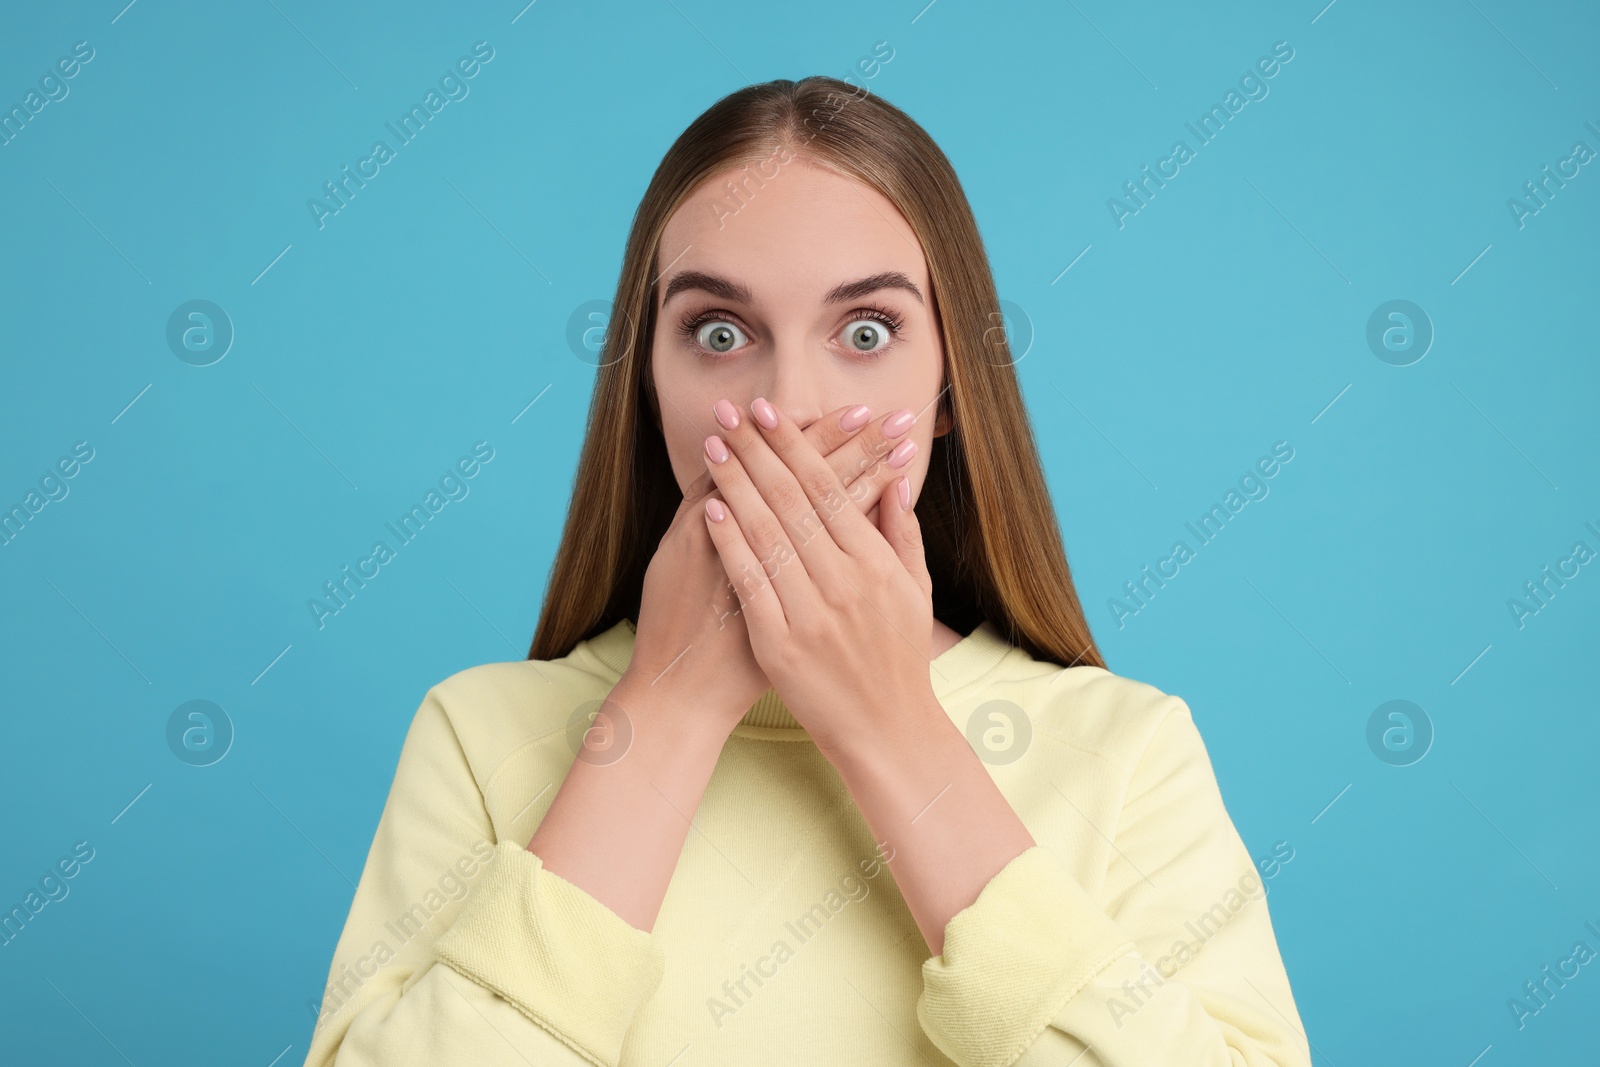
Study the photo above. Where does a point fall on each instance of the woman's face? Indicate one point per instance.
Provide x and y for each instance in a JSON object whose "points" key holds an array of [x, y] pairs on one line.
{"points": [[812, 293]]}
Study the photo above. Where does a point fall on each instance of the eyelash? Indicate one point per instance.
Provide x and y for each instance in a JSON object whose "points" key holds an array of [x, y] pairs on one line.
{"points": [[690, 326]]}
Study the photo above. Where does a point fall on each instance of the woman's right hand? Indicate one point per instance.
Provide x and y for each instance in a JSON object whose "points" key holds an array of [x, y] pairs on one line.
{"points": [[691, 649]]}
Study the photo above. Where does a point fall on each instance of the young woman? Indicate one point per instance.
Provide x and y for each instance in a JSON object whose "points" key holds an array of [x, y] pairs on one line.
{"points": [[813, 759]]}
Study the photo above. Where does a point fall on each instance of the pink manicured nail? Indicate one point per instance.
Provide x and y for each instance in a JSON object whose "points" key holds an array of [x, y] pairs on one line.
{"points": [[905, 494], [714, 509], [764, 412], [902, 453], [855, 418], [898, 424], [726, 414], [719, 451]]}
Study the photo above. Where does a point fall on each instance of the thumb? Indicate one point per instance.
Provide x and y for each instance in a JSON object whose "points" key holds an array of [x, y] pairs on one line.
{"points": [[899, 526]]}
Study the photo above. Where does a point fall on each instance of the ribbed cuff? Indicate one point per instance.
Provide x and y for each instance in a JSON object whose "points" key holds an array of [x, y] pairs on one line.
{"points": [[565, 960], [1012, 959]]}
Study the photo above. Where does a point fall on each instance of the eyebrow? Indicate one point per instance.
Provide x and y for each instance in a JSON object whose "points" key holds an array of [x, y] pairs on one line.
{"points": [[843, 293]]}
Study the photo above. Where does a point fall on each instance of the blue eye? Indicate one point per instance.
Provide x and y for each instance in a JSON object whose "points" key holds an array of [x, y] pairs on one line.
{"points": [[867, 335], [870, 325], [711, 331], [714, 335]]}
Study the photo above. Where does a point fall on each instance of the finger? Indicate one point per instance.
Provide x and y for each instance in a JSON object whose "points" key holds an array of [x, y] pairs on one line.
{"points": [[866, 451], [723, 601], [852, 444], [780, 491], [860, 452], [897, 521], [759, 601], [693, 500], [836, 428], [699, 487], [764, 533], [784, 464], [828, 434], [879, 455], [725, 605]]}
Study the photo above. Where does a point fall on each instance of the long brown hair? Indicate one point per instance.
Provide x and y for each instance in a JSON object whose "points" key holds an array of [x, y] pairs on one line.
{"points": [[992, 544]]}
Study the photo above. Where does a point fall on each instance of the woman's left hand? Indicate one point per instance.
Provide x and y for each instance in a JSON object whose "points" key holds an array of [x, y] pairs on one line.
{"points": [[839, 611]]}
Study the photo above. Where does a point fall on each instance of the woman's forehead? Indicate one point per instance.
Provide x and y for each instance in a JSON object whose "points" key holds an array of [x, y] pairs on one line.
{"points": [[803, 229]]}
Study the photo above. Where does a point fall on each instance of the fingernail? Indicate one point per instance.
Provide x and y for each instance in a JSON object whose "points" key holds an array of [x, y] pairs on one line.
{"points": [[719, 451], [905, 494], [726, 414], [902, 453], [898, 423], [714, 509], [764, 412], [855, 418]]}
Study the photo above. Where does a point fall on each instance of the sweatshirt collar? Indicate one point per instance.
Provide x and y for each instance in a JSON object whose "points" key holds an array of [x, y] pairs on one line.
{"points": [[967, 660]]}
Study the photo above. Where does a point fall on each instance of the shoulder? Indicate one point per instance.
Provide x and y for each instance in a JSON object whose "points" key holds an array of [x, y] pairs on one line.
{"points": [[1123, 748], [1107, 715], [496, 708]]}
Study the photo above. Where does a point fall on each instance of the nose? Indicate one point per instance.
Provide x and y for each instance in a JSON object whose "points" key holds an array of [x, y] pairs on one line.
{"points": [[795, 387]]}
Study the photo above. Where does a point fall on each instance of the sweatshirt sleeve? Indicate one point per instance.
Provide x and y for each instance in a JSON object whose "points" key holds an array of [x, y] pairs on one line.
{"points": [[1176, 964], [462, 951]]}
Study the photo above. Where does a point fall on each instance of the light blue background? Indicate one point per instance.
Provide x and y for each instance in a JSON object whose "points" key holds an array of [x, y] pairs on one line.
{"points": [[1228, 314]]}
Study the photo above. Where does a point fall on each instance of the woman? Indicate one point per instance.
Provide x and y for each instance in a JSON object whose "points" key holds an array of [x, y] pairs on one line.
{"points": [[813, 759]]}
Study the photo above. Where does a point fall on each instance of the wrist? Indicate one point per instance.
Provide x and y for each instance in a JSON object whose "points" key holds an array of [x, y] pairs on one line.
{"points": [[669, 720], [918, 738]]}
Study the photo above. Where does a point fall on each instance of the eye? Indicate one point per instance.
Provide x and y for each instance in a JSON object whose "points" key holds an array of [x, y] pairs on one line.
{"points": [[869, 333], [872, 331], [711, 332], [866, 335]]}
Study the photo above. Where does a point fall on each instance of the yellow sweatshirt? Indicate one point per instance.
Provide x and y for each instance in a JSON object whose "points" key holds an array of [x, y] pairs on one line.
{"points": [[1136, 928]]}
